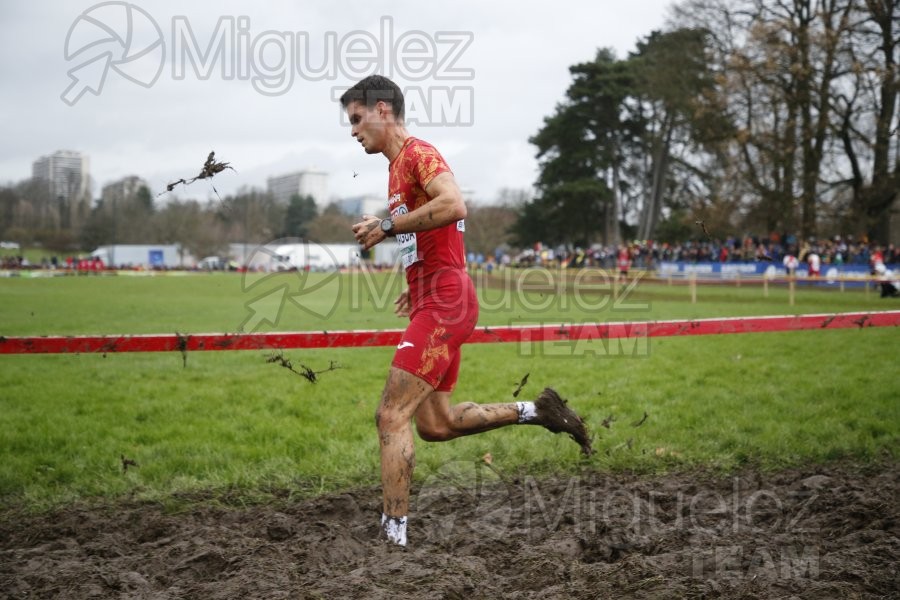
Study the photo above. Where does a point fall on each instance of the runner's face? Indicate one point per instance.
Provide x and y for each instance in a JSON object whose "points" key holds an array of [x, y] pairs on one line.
{"points": [[367, 125]]}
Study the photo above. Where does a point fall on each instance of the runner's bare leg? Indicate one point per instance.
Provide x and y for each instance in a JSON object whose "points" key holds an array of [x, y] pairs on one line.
{"points": [[438, 421], [403, 393], [406, 397]]}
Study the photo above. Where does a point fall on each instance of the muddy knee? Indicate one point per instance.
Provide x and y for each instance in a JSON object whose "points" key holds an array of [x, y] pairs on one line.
{"points": [[387, 419]]}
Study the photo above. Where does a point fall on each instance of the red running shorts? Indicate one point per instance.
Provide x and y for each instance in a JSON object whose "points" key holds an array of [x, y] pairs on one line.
{"points": [[430, 346]]}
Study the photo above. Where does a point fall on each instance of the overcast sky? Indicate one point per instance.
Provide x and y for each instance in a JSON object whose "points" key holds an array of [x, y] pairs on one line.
{"points": [[492, 72]]}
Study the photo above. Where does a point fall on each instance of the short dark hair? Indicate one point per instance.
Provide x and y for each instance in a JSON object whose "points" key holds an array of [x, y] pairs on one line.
{"points": [[374, 89]]}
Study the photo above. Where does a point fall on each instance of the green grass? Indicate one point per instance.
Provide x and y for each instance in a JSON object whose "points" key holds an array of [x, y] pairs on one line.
{"points": [[229, 422], [220, 302]]}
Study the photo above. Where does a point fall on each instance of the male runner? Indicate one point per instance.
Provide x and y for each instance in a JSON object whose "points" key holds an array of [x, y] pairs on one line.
{"points": [[427, 212]]}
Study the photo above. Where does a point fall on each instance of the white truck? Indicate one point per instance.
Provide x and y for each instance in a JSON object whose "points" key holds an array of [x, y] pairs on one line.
{"points": [[148, 256], [318, 257]]}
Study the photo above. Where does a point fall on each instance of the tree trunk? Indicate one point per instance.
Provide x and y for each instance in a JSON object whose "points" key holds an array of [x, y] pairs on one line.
{"points": [[885, 184], [613, 235], [658, 185]]}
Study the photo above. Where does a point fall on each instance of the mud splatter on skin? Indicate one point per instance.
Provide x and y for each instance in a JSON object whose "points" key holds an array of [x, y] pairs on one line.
{"points": [[399, 400], [466, 409], [469, 418]]}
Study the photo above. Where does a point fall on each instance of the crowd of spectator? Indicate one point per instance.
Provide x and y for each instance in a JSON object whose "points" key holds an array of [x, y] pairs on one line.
{"points": [[72, 263], [15, 262], [840, 250]]}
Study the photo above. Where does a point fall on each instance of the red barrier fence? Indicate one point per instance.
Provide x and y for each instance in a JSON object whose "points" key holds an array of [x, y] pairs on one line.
{"points": [[391, 337]]}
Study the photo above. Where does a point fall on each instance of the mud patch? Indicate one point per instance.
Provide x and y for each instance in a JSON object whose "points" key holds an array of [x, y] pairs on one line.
{"points": [[816, 532]]}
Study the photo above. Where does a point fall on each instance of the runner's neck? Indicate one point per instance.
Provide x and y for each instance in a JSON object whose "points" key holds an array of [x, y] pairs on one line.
{"points": [[400, 143]]}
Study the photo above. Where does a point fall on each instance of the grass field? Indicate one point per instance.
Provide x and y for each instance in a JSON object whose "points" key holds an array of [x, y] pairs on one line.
{"points": [[231, 424]]}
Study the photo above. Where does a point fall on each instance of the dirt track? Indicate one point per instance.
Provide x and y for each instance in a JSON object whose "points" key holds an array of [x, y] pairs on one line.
{"points": [[818, 532]]}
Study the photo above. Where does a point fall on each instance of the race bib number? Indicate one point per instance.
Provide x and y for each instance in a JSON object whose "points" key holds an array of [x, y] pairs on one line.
{"points": [[409, 251]]}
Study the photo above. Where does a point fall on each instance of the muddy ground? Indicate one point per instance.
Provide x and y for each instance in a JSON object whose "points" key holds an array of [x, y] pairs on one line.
{"points": [[475, 532]]}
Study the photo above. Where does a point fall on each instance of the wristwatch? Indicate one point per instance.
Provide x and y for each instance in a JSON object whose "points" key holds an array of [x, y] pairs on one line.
{"points": [[387, 226]]}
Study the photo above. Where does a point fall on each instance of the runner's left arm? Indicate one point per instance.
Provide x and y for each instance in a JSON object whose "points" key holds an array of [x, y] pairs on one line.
{"points": [[445, 206]]}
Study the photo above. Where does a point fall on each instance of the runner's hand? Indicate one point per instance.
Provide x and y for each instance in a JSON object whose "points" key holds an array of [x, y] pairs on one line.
{"points": [[368, 232], [402, 307]]}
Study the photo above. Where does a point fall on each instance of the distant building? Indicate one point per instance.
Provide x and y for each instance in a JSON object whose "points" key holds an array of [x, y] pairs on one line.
{"points": [[67, 178], [66, 172], [368, 204], [303, 183], [122, 190]]}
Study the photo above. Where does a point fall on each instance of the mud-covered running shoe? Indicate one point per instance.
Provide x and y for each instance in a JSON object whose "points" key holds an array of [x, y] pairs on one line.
{"points": [[553, 414]]}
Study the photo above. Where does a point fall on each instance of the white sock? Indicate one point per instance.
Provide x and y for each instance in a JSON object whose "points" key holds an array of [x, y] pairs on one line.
{"points": [[527, 411], [394, 528]]}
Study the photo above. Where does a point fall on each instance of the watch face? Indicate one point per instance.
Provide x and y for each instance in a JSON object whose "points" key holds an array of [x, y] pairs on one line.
{"points": [[387, 225]]}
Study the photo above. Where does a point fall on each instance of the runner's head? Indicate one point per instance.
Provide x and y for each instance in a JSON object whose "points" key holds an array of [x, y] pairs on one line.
{"points": [[374, 106], [374, 89]]}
